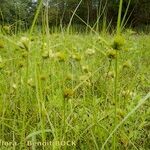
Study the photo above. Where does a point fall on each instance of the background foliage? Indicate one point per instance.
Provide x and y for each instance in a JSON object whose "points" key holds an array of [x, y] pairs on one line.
{"points": [[60, 11]]}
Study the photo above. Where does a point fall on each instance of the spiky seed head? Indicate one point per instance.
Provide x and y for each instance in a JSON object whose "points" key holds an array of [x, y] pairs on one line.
{"points": [[68, 93], [43, 77], [111, 54], [31, 83], [120, 113], [20, 64], [1, 44], [76, 57], [24, 54], [126, 93], [60, 56], [25, 43], [90, 52], [110, 75], [44, 46], [118, 42], [127, 64], [14, 86], [45, 54], [69, 77], [85, 69], [51, 54]]}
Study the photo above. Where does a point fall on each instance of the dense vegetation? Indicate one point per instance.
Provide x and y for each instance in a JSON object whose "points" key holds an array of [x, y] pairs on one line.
{"points": [[62, 83]]}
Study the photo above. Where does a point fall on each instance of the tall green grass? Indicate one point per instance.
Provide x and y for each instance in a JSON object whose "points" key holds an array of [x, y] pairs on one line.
{"points": [[89, 88]]}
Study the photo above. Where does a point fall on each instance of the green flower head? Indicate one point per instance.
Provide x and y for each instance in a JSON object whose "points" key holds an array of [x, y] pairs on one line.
{"points": [[118, 43], [1, 44]]}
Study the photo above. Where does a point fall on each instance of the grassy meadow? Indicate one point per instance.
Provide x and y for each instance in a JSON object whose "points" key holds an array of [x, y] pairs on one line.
{"points": [[74, 91]]}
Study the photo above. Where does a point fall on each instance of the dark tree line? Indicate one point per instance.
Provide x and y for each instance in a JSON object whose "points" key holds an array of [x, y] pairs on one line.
{"points": [[60, 11]]}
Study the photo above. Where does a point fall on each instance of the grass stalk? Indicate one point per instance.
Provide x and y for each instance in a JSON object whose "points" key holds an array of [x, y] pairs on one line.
{"points": [[73, 16], [119, 17], [116, 73], [115, 97]]}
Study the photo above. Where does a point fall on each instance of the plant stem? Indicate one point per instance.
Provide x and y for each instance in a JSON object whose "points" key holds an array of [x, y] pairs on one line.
{"points": [[116, 72], [119, 17], [115, 97]]}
